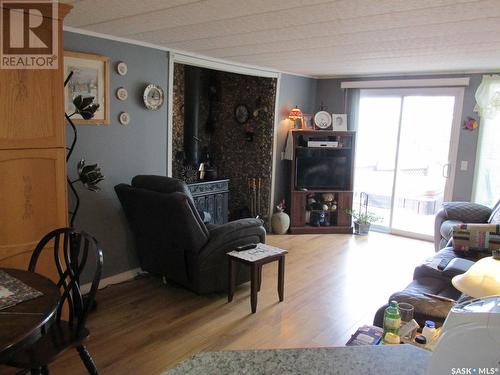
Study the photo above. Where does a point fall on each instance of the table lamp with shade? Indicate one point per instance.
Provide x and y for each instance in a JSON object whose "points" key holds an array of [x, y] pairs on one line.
{"points": [[482, 279], [296, 116]]}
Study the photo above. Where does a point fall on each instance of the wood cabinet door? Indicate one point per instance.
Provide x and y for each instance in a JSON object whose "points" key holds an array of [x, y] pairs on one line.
{"points": [[31, 109], [33, 201], [32, 103]]}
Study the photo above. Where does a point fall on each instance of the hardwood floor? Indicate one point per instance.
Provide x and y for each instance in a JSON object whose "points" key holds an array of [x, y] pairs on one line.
{"points": [[333, 284]]}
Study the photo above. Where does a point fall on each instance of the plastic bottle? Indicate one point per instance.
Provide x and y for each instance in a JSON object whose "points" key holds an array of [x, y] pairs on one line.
{"points": [[392, 319], [429, 330]]}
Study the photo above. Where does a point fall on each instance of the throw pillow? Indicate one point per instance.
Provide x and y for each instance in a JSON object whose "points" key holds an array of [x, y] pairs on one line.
{"points": [[476, 237]]}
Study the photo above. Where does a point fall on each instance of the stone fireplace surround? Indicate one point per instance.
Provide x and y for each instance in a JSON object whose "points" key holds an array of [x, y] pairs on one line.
{"points": [[233, 155]]}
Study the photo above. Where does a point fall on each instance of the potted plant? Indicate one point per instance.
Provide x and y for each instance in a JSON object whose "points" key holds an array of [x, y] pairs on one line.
{"points": [[362, 218], [362, 221]]}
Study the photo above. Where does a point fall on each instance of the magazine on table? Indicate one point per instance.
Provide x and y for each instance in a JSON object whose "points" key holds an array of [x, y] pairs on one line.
{"points": [[14, 291], [259, 252]]}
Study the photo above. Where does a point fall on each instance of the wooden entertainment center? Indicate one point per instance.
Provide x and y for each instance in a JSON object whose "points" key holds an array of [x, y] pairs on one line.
{"points": [[322, 181]]}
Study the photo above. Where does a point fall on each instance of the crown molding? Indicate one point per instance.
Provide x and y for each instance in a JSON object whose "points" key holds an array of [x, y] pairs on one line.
{"points": [[193, 58]]}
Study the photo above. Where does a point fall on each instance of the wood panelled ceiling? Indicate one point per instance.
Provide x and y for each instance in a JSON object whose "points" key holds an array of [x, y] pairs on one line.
{"points": [[311, 37]]}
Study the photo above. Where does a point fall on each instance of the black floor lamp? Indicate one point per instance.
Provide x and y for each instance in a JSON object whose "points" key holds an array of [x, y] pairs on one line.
{"points": [[88, 175]]}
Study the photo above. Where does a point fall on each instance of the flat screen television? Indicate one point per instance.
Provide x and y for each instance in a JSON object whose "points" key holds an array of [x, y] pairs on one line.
{"points": [[316, 173]]}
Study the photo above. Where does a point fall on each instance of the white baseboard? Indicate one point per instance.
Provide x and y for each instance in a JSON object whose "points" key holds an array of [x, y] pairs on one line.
{"points": [[115, 279]]}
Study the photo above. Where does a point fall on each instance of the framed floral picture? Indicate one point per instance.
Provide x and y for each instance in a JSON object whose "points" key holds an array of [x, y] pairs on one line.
{"points": [[90, 78]]}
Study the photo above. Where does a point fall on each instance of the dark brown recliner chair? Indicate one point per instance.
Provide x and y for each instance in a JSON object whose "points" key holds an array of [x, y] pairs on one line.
{"points": [[172, 240]]}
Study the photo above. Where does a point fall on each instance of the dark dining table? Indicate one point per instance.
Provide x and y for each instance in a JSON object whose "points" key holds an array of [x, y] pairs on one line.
{"points": [[22, 324]]}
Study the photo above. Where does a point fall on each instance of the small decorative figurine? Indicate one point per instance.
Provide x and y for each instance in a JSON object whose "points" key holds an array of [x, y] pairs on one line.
{"points": [[470, 124], [318, 218]]}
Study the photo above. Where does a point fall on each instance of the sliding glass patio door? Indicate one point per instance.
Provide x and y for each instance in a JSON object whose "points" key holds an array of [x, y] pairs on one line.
{"points": [[405, 155]]}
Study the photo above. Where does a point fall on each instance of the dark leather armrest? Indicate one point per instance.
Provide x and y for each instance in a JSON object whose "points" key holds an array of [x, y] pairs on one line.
{"points": [[438, 221], [427, 270], [456, 264], [234, 227], [226, 237]]}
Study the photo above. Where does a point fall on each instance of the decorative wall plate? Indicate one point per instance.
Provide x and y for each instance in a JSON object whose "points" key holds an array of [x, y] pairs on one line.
{"points": [[122, 93], [121, 68], [153, 97], [124, 118], [323, 120], [241, 113]]}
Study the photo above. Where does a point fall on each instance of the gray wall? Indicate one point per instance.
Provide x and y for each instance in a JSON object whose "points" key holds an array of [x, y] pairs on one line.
{"points": [[141, 147], [293, 91], [121, 151], [330, 93]]}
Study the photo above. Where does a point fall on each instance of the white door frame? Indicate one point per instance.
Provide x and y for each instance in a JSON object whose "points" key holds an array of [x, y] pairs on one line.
{"points": [[458, 93]]}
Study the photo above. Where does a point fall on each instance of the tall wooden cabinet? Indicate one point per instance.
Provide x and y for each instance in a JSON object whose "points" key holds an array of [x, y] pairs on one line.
{"points": [[33, 198], [322, 181]]}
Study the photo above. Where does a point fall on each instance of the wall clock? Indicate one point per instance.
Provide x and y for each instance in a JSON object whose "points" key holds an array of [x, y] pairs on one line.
{"points": [[323, 120], [241, 113], [153, 97]]}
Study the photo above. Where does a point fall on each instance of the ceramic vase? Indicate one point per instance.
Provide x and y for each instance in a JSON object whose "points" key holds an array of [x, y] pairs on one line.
{"points": [[280, 222]]}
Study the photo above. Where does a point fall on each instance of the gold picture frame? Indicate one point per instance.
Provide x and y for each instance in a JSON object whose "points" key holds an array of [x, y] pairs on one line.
{"points": [[90, 78]]}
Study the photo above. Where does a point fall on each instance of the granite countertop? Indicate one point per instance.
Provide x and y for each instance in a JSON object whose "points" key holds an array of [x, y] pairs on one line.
{"points": [[351, 360]]}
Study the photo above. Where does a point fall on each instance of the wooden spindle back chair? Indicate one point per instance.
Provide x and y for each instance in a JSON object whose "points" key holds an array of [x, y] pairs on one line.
{"points": [[71, 250]]}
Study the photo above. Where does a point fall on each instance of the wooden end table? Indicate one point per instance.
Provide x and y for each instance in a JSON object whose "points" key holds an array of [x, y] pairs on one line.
{"points": [[256, 258]]}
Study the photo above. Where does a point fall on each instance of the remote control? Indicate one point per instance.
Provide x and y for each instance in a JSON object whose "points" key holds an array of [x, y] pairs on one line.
{"points": [[246, 247]]}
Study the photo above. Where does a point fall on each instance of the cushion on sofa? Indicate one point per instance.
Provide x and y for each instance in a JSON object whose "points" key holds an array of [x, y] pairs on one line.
{"points": [[447, 226], [476, 237], [414, 295], [429, 268], [467, 212]]}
